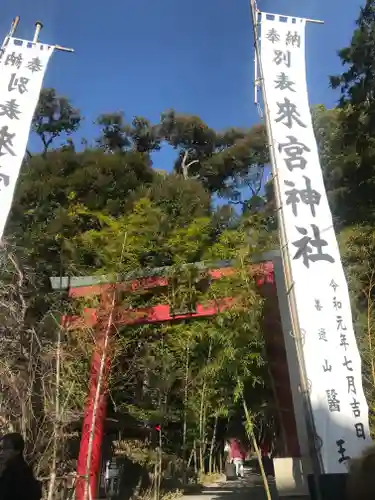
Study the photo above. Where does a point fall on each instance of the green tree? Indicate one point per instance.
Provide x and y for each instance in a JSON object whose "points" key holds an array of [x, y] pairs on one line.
{"points": [[118, 136], [357, 246], [345, 137], [50, 187], [176, 377], [182, 200], [224, 161], [104, 210], [54, 117], [355, 202]]}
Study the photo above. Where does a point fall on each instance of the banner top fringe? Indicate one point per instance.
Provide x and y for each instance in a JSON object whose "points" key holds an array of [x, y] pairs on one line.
{"points": [[287, 19]]}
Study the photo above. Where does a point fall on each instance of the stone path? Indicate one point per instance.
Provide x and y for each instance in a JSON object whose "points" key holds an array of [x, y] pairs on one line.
{"points": [[248, 488]]}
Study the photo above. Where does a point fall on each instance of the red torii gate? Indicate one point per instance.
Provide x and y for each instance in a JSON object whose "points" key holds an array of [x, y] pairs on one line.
{"points": [[98, 319]]}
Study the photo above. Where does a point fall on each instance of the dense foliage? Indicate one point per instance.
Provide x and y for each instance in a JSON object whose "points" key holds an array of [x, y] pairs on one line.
{"points": [[99, 207]]}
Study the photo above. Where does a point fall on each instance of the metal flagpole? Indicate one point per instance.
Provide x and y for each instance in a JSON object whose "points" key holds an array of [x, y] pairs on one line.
{"points": [[314, 443], [38, 27], [13, 28], [14, 25]]}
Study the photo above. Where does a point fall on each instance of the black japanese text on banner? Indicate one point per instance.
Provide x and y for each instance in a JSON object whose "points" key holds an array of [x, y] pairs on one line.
{"points": [[332, 360], [22, 68]]}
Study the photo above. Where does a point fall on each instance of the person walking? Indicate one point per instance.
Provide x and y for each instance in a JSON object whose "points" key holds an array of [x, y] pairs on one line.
{"points": [[237, 455], [227, 451], [17, 481]]}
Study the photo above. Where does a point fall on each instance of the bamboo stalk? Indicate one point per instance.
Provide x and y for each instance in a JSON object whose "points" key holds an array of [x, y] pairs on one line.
{"points": [[184, 431], [56, 424], [210, 467], [251, 436], [202, 414]]}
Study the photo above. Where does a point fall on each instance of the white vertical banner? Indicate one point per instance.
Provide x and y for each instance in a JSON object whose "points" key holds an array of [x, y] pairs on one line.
{"points": [[331, 356], [22, 68]]}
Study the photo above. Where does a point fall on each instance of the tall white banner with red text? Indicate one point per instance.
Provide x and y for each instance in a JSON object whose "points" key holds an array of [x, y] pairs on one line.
{"points": [[22, 68], [331, 356]]}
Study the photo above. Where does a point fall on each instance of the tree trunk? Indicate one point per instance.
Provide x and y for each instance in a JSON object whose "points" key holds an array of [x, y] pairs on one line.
{"points": [[56, 424], [184, 430], [156, 474], [160, 461], [202, 412], [195, 458], [213, 441], [158, 467], [185, 166], [190, 458]]}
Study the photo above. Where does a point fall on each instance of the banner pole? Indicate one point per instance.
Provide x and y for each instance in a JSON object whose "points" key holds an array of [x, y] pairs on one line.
{"points": [[38, 27], [14, 25], [12, 30], [316, 460]]}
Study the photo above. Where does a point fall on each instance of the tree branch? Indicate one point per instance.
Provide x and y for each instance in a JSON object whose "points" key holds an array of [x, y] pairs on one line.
{"points": [[185, 167]]}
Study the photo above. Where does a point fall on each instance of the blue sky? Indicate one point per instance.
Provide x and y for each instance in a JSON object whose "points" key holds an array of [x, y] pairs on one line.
{"points": [[144, 56]]}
